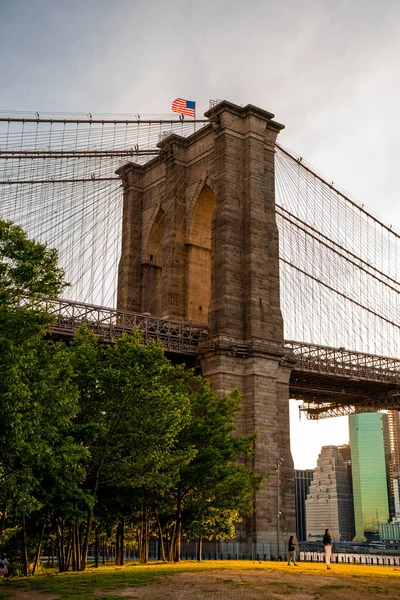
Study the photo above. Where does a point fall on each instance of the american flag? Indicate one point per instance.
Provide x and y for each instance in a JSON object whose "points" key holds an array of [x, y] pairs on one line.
{"points": [[185, 107]]}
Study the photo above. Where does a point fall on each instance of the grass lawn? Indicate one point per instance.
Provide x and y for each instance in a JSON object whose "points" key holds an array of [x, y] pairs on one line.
{"points": [[233, 580]]}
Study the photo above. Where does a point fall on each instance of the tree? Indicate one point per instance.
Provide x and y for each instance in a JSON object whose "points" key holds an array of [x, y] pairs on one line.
{"points": [[38, 399], [130, 414], [28, 269], [215, 487], [107, 434]]}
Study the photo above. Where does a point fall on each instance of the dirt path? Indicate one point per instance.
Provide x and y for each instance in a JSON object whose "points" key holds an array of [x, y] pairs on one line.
{"points": [[32, 595]]}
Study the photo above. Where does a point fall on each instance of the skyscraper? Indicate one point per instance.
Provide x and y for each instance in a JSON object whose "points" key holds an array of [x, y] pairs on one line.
{"points": [[394, 441], [330, 501], [369, 458], [302, 479]]}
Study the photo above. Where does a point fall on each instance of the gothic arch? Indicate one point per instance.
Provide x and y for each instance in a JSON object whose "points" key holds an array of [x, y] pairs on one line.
{"points": [[155, 239], [205, 181], [198, 257], [152, 266]]}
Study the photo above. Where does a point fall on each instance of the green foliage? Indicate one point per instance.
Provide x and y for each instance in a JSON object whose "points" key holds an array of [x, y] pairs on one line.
{"points": [[129, 414], [105, 434], [38, 402], [146, 412], [27, 268], [216, 487], [38, 398], [131, 411]]}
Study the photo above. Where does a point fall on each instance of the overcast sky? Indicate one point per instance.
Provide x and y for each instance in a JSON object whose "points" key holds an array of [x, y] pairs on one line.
{"points": [[328, 69]]}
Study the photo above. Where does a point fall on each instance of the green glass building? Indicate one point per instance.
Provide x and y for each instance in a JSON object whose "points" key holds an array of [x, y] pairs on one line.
{"points": [[369, 472]]}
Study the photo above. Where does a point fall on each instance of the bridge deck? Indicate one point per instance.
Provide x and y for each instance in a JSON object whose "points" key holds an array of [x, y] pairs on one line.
{"points": [[330, 380]]}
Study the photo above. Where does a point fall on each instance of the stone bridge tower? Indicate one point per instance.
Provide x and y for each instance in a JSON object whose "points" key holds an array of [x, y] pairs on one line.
{"points": [[200, 244]]}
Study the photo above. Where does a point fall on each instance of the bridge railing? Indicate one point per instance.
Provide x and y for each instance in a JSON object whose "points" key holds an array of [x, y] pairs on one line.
{"points": [[183, 338], [346, 363], [109, 324]]}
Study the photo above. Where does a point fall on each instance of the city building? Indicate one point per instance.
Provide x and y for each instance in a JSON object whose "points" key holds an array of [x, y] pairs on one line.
{"points": [[371, 472], [302, 479], [329, 503], [390, 532], [394, 441]]}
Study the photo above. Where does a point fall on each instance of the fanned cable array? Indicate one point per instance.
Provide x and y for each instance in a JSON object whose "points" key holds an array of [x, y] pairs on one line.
{"points": [[339, 264], [58, 181]]}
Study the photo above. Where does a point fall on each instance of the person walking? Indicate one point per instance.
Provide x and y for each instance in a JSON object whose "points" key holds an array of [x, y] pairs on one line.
{"points": [[3, 565], [292, 551], [327, 541]]}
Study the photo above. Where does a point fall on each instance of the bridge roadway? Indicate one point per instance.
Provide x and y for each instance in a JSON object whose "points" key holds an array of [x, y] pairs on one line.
{"points": [[330, 381]]}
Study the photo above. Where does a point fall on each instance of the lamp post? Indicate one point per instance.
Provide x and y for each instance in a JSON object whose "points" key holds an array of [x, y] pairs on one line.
{"points": [[279, 463]]}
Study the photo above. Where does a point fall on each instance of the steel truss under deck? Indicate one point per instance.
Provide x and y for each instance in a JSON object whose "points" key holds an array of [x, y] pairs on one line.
{"points": [[330, 381], [335, 381]]}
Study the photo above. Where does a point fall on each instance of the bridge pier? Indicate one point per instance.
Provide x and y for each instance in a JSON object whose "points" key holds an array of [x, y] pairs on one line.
{"points": [[218, 263], [262, 375]]}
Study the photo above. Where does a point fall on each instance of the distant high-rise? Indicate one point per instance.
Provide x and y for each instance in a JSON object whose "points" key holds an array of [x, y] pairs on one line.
{"points": [[369, 436], [330, 501], [303, 479], [394, 441]]}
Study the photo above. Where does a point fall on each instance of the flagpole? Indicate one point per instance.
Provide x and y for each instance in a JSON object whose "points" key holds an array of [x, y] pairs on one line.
{"points": [[195, 116]]}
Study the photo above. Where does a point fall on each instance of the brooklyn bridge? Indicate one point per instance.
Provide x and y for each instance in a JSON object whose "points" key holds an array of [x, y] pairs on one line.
{"points": [[234, 252]]}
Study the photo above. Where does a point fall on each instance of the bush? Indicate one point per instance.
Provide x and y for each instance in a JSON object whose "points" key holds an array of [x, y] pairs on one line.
{"points": [[15, 569]]}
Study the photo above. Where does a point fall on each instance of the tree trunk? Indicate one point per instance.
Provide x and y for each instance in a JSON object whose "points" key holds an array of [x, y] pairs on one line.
{"points": [[199, 548], [60, 553], [171, 548], [76, 563], [24, 548], [96, 549], [78, 548], [167, 543], [146, 538], [139, 542], [73, 550], [160, 539], [69, 550], [39, 546], [2, 521], [122, 545], [142, 535], [117, 545], [89, 521], [85, 546], [62, 543], [177, 553], [178, 532]]}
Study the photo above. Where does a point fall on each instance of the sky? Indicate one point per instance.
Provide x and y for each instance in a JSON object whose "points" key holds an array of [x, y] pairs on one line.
{"points": [[327, 70]]}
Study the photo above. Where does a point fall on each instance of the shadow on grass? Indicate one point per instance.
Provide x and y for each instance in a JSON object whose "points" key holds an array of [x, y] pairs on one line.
{"points": [[83, 586], [93, 582]]}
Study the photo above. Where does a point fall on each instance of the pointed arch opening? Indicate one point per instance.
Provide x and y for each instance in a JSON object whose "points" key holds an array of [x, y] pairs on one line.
{"points": [[198, 258], [152, 267]]}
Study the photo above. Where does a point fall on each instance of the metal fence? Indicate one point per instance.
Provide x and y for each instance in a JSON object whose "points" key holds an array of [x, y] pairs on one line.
{"points": [[257, 552]]}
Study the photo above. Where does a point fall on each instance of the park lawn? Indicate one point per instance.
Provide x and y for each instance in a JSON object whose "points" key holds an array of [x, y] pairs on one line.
{"points": [[236, 580], [84, 585]]}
